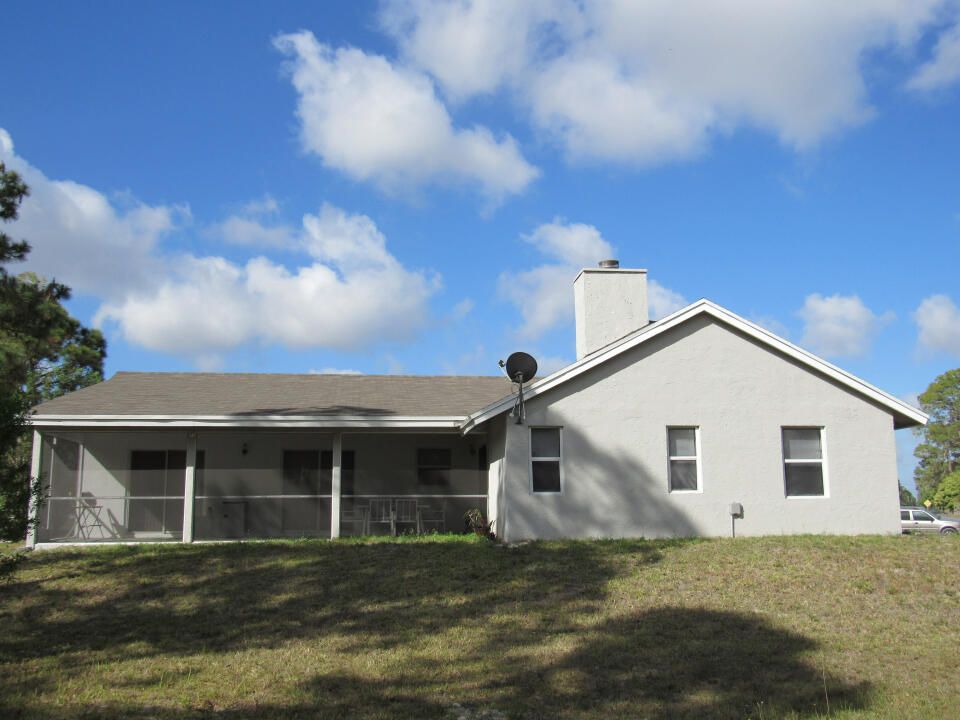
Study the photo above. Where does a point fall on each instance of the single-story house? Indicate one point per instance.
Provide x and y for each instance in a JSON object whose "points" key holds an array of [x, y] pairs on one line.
{"points": [[700, 423]]}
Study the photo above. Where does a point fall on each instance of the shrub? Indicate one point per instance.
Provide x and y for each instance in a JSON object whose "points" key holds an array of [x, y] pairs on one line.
{"points": [[947, 496]]}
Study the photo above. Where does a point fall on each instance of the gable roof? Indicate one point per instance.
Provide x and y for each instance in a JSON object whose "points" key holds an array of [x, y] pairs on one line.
{"points": [[135, 399], [904, 414], [251, 399]]}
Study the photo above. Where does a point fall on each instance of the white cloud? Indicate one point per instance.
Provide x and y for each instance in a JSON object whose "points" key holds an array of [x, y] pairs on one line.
{"points": [[938, 320], [385, 124], [462, 309], [772, 324], [354, 295], [267, 205], [573, 244], [252, 226], [663, 301], [544, 294], [334, 371], [549, 364], [79, 237], [943, 68], [469, 47], [839, 325], [240, 230], [643, 83]]}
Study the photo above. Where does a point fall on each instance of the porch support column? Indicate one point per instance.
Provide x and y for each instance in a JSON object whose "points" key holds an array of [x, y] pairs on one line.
{"points": [[32, 508], [189, 487], [335, 486]]}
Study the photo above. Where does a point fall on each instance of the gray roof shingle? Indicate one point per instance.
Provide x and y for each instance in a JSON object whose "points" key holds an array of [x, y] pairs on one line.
{"points": [[239, 394]]}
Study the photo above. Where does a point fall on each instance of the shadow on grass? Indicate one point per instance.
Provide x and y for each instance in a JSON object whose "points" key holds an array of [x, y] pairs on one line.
{"points": [[542, 642]]}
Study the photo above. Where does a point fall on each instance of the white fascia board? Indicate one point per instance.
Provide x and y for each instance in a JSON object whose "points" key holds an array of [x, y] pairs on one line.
{"points": [[699, 307], [250, 421]]}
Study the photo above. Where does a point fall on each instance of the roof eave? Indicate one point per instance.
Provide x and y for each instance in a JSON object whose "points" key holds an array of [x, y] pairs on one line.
{"points": [[450, 422]]}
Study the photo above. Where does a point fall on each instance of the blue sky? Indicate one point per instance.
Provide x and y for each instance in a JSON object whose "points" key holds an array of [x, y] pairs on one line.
{"points": [[373, 187]]}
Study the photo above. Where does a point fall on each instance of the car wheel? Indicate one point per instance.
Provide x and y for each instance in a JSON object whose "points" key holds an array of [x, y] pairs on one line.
{"points": [[948, 531]]}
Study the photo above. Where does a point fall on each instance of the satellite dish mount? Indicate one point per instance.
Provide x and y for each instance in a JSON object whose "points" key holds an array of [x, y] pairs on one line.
{"points": [[520, 368]]}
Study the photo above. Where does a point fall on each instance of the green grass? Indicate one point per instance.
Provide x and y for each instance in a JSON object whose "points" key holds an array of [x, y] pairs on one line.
{"points": [[760, 628]]}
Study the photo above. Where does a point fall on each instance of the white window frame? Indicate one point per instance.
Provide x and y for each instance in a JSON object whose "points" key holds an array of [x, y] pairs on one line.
{"points": [[697, 457], [800, 461], [558, 460]]}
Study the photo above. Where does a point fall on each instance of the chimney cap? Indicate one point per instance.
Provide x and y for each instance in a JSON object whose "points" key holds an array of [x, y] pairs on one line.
{"points": [[609, 264]]}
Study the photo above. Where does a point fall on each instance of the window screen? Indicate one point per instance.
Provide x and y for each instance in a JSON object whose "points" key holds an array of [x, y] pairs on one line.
{"points": [[803, 461], [545, 460], [682, 445]]}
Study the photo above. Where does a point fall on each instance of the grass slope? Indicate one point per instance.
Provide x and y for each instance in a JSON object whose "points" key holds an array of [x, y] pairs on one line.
{"points": [[761, 628]]}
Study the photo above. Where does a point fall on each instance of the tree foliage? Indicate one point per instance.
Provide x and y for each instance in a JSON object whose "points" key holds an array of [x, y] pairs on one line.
{"points": [[947, 496], [907, 497], [44, 352], [939, 452]]}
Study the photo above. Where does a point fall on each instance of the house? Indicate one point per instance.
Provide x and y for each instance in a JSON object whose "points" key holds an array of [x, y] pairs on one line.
{"points": [[656, 430]]}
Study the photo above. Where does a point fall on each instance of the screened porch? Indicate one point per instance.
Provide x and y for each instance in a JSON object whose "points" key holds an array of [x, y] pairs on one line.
{"points": [[170, 485]]}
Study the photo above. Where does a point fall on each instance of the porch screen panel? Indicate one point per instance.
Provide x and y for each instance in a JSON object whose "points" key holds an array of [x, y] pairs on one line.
{"points": [[60, 477], [175, 480], [148, 470], [112, 486], [156, 492], [303, 514], [262, 485], [404, 483]]}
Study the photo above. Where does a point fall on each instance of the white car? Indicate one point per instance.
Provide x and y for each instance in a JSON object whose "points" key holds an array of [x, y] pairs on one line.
{"points": [[920, 520]]}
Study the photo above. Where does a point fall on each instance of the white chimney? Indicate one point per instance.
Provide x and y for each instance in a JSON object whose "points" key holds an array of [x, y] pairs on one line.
{"points": [[610, 302]]}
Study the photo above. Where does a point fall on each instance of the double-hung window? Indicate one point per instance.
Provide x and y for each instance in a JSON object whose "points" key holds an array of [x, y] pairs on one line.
{"points": [[803, 461], [684, 459], [545, 460]]}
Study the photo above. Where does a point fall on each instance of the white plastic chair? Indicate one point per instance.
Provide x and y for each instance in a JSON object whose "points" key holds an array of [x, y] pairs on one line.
{"points": [[381, 512], [406, 512]]}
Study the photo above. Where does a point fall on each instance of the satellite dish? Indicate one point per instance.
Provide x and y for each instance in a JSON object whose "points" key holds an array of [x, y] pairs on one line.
{"points": [[521, 367]]}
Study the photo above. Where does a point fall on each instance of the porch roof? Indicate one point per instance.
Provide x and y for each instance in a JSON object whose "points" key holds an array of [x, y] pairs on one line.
{"points": [[274, 399]]}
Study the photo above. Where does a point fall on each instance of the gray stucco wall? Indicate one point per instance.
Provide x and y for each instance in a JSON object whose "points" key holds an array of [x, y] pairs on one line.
{"points": [[739, 394]]}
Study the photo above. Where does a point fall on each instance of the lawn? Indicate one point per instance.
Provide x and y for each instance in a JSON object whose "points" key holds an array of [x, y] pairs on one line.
{"points": [[761, 628]]}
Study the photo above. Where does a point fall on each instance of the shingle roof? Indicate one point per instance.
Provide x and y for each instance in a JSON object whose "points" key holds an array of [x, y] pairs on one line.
{"points": [[261, 394]]}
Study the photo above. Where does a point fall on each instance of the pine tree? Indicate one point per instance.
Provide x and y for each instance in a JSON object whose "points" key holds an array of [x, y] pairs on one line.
{"points": [[44, 352]]}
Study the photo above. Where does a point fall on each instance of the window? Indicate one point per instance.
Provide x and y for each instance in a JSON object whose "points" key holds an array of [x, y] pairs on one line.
{"points": [[803, 462], [921, 516], [433, 466], [684, 466], [301, 473], [904, 514], [545, 456]]}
